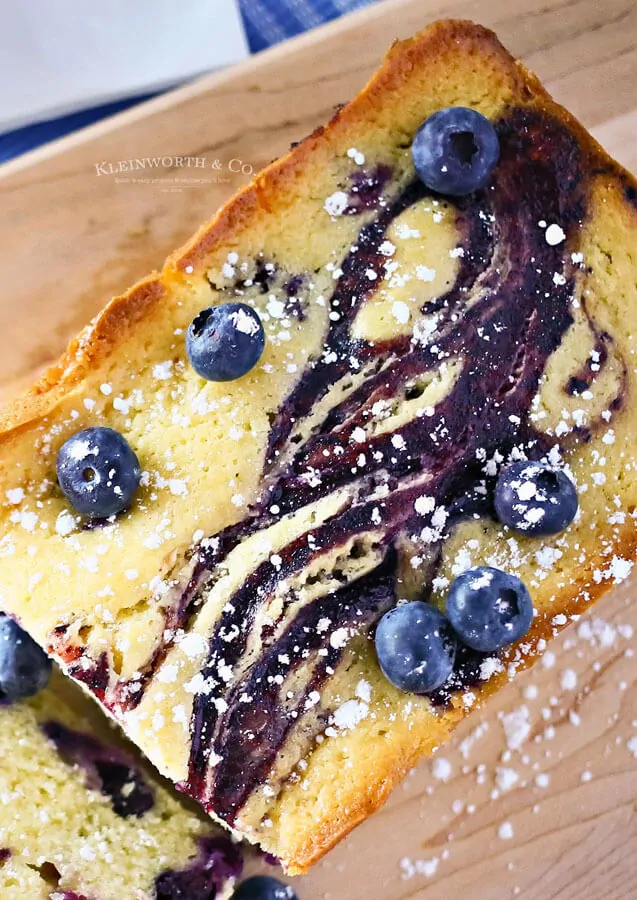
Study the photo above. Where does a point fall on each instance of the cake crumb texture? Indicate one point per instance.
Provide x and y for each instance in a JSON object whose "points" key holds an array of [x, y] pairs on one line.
{"points": [[59, 830]]}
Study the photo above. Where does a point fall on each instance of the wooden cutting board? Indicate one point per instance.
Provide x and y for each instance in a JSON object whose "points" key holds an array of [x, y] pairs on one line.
{"points": [[554, 815]]}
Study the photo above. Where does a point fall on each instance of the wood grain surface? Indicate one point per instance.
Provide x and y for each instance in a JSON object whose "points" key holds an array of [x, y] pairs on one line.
{"points": [[556, 816]]}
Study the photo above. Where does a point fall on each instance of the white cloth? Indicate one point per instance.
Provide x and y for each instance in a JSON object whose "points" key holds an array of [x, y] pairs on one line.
{"points": [[57, 56]]}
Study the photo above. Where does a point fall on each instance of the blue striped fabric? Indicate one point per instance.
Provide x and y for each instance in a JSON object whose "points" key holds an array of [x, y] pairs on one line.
{"points": [[267, 22]]}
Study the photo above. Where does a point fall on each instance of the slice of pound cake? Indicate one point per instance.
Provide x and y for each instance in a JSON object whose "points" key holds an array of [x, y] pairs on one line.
{"points": [[84, 819], [295, 505]]}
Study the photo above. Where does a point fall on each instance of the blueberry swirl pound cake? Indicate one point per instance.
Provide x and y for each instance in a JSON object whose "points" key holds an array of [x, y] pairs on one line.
{"points": [[294, 506], [83, 819]]}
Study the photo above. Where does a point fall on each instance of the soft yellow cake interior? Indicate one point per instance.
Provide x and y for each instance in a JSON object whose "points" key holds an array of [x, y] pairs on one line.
{"points": [[63, 835]]}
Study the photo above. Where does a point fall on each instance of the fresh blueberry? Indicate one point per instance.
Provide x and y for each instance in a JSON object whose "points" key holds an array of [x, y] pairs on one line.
{"points": [[263, 887], [489, 609], [24, 668], [98, 472], [455, 150], [415, 647], [224, 342], [535, 499]]}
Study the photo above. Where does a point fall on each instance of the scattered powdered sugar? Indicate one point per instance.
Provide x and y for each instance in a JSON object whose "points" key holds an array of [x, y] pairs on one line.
{"points": [[65, 523], [122, 405], [619, 569], [201, 405], [28, 520], [356, 155], [546, 557], [336, 203], [489, 667], [192, 644], [244, 322], [516, 727], [350, 713], [163, 371], [15, 495], [404, 232], [506, 779], [466, 745], [275, 307], [424, 273], [568, 680], [339, 638], [441, 769], [430, 535], [505, 831], [313, 699], [481, 581], [427, 867], [400, 311], [424, 505], [80, 449], [153, 541], [554, 235], [168, 673], [87, 852], [177, 487], [597, 632], [548, 659], [424, 330], [631, 745]]}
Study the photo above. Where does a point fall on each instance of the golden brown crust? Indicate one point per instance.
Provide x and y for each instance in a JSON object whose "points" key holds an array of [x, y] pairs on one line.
{"points": [[95, 343], [440, 45]]}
